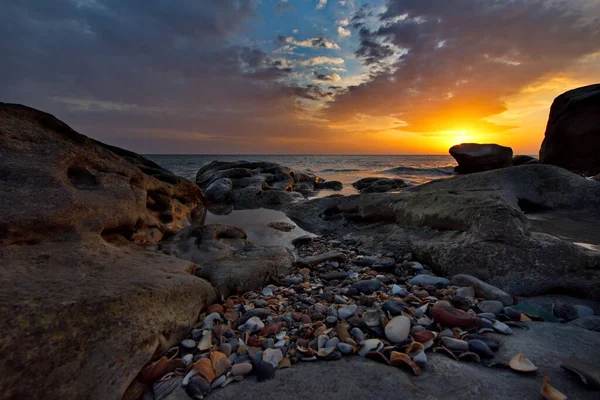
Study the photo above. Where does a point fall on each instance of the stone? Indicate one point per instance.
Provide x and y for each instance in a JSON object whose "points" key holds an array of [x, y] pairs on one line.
{"points": [[321, 258], [336, 275], [367, 286], [483, 289], [393, 306], [475, 157], [455, 344], [565, 311], [398, 329], [524, 160], [491, 306], [465, 292], [281, 226], [378, 185], [227, 259], [219, 191], [591, 323], [583, 311], [331, 320], [447, 315], [241, 369], [481, 348], [75, 212], [572, 137], [328, 185], [424, 280], [346, 311]]}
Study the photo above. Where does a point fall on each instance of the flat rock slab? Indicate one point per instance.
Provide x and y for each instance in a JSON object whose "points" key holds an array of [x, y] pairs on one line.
{"points": [[314, 260], [357, 378]]}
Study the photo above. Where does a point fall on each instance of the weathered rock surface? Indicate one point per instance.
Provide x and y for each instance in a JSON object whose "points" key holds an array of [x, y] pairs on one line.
{"points": [[82, 316], [474, 224], [524, 160], [475, 157], [227, 259], [442, 378], [572, 138], [257, 184], [378, 185]]}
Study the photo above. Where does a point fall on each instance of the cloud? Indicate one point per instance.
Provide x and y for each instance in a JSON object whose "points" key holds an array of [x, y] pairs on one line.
{"points": [[319, 42], [327, 77], [320, 60], [321, 4], [343, 32], [480, 51], [343, 22]]}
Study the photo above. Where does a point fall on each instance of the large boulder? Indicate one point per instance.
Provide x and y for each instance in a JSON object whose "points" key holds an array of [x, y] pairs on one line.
{"points": [[475, 157], [227, 259], [83, 306], [476, 225], [257, 184], [572, 138], [378, 185]]}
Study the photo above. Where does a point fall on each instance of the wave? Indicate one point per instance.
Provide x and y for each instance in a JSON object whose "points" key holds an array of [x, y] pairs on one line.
{"points": [[442, 171], [341, 170]]}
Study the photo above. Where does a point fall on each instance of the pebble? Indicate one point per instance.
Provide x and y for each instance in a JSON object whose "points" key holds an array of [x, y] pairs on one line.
{"points": [[584, 311], [188, 344], [320, 308], [483, 289], [345, 348], [465, 292], [481, 348], [267, 344], [397, 329], [393, 306], [241, 369], [502, 327], [429, 280], [369, 345], [346, 311], [331, 320], [367, 286], [399, 291], [564, 310], [455, 344], [491, 306], [420, 359], [339, 300], [371, 318]]}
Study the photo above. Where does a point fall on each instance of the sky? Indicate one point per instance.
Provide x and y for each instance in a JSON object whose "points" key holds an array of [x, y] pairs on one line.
{"points": [[299, 76]]}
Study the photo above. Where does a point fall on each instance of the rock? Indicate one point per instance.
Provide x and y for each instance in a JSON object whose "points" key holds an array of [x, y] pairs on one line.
{"points": [[565, 311], [346, 311], [455, 344], [241, 369], [219, 191], [465, 292], [481, 348], [302, 240], [572, 138], [79, 296], [337, 275], [259, 184], [397, 329], [378, 185], [443, 313], [524, 160], [393, 306], [583, 311], [424, 280], [475, 157], [483, 289], [282, 226], [491, 306], [367, 286], [479, 224], [591, 323], [227, 259], [321, 258]]}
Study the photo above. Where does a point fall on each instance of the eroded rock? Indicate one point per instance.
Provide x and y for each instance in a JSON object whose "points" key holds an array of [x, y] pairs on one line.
{"points": [[475, 157]]}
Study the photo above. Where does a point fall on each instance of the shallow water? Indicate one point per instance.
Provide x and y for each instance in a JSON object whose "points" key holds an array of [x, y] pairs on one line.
{"points": [[254, 223], [346, 169]]}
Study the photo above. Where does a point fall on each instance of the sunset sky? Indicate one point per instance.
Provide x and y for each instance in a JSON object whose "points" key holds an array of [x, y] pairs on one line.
{"points": [[299, 76]]}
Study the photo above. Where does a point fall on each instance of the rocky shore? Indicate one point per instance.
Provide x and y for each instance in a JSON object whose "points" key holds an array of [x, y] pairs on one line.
{"points": [[471, 287]]}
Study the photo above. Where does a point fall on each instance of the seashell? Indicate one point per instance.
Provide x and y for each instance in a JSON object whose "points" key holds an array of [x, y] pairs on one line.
{"points": [[209, 321], [284, 363], [165, 385], [221, 366], [522, 364], [269, 290], [206, 341], [524, 318], [280, 343], [204, 368], [424, 336], [371, 318], [502, 327], [345, 348], [324, 352], [218, 382], [216, 356], [587, 372], [305, 351], [429, 344], [342, 330], [400, 359], [176, 364], [446, 333], [197, 388], [218, 308], [369, 345], [321, 341], [281, 335], [188, 376], [241, 369], [445, 351], [420, 359], [377, 356], [155, 370], [550, 393], [414, 348], [469, 356], [272, 356]]}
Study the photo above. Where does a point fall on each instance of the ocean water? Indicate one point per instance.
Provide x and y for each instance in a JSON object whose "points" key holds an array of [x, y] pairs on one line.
{"points": [[414, 170]]}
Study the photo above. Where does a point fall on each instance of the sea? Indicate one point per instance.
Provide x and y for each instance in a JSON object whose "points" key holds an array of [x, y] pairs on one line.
{"points": [[413, 169]]}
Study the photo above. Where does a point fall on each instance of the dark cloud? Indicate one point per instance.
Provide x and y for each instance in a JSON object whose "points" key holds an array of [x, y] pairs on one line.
{"points": [[454, 62], [112, 68]]}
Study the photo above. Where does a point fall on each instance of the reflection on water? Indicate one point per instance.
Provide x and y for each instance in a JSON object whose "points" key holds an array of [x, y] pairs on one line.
{"points": [[254, 223]]}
